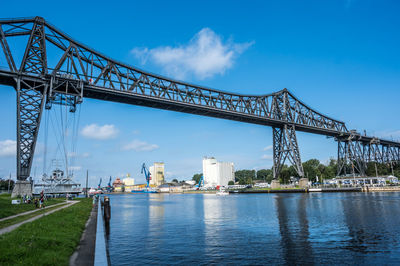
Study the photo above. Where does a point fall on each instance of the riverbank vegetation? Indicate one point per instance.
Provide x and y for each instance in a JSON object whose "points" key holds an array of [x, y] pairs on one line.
{"points": [[50, 240], [6, 184], [22, 218], [313, 170]]}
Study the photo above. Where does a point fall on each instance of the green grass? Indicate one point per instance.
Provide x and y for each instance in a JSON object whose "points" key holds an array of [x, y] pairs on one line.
{"points": [[50, 240], [8, 209], [21, 218]]}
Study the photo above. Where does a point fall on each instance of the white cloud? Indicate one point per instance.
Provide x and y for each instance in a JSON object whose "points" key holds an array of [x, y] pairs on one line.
{"points": [[138, 145], [267, 157], [72, 154], [268, 148], [75, 154], [75, 168], [94, 131], [136, 132], [8, 148], [204, 56]]}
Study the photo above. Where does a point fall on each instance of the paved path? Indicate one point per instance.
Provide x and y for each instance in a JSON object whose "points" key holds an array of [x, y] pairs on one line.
{"points": [[28, 212], [85, 252], [14, 226]]}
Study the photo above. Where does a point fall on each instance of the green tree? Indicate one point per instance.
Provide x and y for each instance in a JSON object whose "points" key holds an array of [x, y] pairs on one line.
{"points": [[230, 183], [4, 184], [175, 180], [284, 175], [330, 170], [265, 174], [311, 170], [245, 177], [196, 177]]}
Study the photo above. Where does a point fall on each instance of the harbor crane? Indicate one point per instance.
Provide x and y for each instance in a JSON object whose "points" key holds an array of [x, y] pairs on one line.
{"points": [[99, 185], [201, 182], [109, 187], [146, 174]]}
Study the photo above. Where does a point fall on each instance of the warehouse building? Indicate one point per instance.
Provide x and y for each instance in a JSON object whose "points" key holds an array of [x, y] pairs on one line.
{"points": [[129, 183], [217, 173]]}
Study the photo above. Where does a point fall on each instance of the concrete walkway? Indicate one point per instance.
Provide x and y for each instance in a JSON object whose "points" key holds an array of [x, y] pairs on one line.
{"points": [[14, 226], [85, 252], [28, 212]]}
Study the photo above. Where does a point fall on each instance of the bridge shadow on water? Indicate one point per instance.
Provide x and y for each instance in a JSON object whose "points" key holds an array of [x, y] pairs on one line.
{"points": [[372, 222], [294, 230]]}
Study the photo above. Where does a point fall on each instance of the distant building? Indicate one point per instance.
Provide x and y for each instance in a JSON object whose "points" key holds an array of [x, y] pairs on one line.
{"points": [[118, 185], [157, 174], [191, 182], [128, 184], [217, 173]]}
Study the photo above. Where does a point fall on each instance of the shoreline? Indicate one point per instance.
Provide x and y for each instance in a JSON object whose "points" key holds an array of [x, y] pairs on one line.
{"points": [[282, 190]]}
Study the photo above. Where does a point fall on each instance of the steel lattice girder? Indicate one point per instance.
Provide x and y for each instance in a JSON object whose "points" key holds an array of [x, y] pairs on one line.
{"points": [[359, 153], [286, 147], [109, 79], [350, 154], [30, 99]]}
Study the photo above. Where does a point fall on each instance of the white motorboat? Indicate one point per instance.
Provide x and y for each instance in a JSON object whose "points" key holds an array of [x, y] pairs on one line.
{"points": [[222, 192]]}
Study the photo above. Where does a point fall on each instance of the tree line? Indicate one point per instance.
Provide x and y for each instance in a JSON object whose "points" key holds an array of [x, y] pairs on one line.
{"points": [[4, 184], [313, 169]]}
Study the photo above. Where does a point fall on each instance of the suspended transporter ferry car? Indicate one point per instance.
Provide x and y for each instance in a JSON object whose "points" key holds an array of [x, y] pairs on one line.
{"points": [[57, 184]]}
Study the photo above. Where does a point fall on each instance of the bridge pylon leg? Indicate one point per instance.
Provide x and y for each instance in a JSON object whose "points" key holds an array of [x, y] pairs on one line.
{"points": [[342, 158], [30, 101], [286, 147], [351, 158]]}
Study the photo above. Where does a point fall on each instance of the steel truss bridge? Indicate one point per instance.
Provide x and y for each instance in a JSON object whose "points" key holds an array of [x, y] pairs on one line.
{"points": [[56, 69]]}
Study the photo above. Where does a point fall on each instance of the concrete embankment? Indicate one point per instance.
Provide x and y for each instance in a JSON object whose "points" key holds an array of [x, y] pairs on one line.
{"points": [[84, 254], [299, 190], [341, 189], [92, 249], [381, 189], [294, 190]]}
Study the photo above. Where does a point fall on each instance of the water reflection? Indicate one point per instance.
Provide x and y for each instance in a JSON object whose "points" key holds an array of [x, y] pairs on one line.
{"points": [[212, 210], [294, 229], [326, 228], [369, 218], [156, 214]]}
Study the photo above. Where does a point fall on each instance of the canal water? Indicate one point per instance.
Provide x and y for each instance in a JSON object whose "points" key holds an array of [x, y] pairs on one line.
{"points": [[202, 229]]}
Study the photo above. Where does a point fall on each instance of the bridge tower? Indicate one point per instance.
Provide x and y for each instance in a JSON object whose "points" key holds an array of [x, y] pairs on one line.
{"points": [[285, 147], [30, 101], [352, 155]]}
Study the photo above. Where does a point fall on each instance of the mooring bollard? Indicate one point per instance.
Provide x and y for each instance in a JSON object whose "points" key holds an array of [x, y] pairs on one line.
{"points": [[107, 214], [107, 208]]}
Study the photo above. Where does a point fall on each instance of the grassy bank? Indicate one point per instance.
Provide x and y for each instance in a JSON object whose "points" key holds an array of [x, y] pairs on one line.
{"points": [[50, 240], [21, 218], [8, 209]]}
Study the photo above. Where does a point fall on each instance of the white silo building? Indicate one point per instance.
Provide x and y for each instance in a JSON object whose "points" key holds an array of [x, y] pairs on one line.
{"points": [[157, 171], [217, 173]]}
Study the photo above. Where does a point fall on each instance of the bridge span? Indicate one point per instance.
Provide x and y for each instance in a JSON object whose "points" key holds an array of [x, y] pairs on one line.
{"points": [[56, 69]]}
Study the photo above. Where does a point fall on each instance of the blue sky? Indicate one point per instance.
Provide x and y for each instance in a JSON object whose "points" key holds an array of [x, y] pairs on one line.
{"points": [[340, 57]]}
